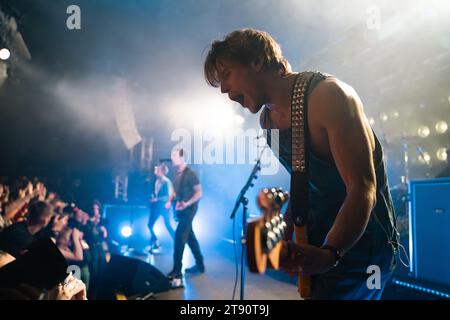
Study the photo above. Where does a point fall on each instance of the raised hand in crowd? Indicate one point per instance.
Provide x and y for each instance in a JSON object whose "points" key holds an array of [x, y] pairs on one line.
{"points": [[71, 289]]}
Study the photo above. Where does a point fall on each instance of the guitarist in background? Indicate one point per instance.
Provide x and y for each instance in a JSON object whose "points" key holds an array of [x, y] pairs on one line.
{"points": [[188, 192], [161, 194], [351, 223]]}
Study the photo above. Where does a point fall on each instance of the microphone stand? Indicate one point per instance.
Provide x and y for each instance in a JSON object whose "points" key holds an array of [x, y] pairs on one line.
{"points": [[242, 199]]}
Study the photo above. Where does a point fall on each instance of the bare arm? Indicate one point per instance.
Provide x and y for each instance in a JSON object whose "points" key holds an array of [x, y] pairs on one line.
{"points": [[172, 195], [171, 190], [71, 255], [15, 206], [78, 250], [350, 141], [196, 197]]}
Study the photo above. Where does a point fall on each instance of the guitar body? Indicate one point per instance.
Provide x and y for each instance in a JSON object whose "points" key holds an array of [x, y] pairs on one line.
{"points": [[265, 236], [258, 260]]}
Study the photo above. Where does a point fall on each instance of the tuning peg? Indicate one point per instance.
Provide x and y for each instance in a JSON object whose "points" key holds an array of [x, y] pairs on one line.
{"points": [[273, 222], [282, 227], [271, 240], [277, 233], [269, 245]]}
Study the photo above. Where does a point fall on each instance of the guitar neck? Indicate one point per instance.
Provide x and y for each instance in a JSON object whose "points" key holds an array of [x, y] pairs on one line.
{"points": [[304, 282]]}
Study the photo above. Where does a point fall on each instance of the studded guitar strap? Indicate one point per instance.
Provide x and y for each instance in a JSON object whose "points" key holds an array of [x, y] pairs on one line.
{"points": [[299, 164]]}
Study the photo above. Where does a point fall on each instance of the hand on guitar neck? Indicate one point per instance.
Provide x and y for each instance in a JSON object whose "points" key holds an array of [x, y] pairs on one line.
{"points": [[305, 259], [300, 257]]}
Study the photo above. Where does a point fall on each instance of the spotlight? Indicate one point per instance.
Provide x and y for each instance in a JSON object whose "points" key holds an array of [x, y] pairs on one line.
{"points": [[371, 121], [395, 114], [441, 127], [4, 54], [441, 154], [126, 231], [423, 131], [384, 117]]}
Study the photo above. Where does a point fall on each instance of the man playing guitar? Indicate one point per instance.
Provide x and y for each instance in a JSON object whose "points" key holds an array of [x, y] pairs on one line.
{"points": [[187, 194], [161, 193], [351, 223]]}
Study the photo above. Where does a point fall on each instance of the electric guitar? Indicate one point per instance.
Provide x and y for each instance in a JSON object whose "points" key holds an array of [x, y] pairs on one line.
{"points": [[266, 233]]}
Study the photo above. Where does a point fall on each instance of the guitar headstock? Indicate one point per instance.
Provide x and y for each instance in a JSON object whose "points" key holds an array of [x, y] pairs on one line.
{"points": [[266, 232], [270, 201]]}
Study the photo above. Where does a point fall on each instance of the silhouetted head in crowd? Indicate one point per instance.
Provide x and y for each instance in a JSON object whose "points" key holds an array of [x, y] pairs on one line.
{"points": [[161, 170], [40, 214]]}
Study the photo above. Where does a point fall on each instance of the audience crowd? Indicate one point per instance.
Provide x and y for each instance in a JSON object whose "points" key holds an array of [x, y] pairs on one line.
{"points": [[49, 249]]}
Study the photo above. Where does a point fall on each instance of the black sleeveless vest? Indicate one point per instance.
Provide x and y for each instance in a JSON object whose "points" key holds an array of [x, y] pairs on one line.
{"points": [[327, 193]]}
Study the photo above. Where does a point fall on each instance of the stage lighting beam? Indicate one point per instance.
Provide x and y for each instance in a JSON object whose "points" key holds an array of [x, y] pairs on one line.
{"points": [[4, 54]]}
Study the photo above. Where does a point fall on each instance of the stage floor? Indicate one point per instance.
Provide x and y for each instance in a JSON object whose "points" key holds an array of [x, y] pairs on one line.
{"points": [[218, 281]]}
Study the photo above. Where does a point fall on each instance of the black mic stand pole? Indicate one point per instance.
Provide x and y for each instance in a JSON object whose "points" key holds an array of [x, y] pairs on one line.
{"points": [[242, 199]]}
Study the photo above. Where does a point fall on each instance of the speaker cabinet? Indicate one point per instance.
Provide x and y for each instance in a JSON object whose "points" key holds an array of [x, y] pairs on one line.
{"points": [[131, 277], [429, 226]]}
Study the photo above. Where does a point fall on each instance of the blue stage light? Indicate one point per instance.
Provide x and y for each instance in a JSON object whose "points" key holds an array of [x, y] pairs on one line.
{"points": [[126, 231], [423, 289]]}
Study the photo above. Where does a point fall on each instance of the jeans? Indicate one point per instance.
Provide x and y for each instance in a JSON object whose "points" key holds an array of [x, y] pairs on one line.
{"points": [[184, 234], [349, 281], [157, 209]]}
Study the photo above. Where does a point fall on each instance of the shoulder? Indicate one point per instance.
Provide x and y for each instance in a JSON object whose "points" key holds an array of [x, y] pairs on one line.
{"points": [[192, 175], [191, 172], [166, 180], [334, 98], [12, 232], [17, 227], [188, 169], [332, 90]]}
